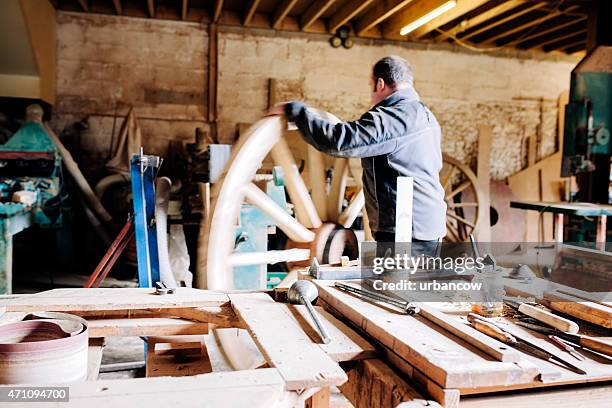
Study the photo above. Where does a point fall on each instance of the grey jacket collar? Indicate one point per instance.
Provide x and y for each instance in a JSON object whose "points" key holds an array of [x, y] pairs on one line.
{"points": [[409, 94]]}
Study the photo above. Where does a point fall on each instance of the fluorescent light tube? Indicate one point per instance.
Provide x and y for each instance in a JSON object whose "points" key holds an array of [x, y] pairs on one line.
{"points": [[428, 17]]}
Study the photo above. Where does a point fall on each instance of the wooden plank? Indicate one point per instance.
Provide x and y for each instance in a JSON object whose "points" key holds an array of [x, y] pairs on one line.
{"points": [[373, 384], [177, 359], [316, 9], [595, 313], [114, 299], [346, 13], [319, 400], [94, 358], [219, 316], [591, 396], [300, 362], [346, 344], [281, 12], [262, 388], [423, 344], [380, 12], [144, 327]]}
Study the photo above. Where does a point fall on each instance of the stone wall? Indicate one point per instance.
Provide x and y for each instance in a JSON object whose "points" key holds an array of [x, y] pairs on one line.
{"points": [[106, 63]]}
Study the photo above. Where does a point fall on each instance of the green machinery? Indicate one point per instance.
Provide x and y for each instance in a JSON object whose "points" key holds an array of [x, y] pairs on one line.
{"points": [[30, 184], [587, 145]]}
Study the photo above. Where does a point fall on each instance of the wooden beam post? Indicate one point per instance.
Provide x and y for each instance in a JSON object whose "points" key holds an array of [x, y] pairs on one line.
{"points": [[281, 12], [151, 8], [314, 12], [483, 172], [213, 40]]}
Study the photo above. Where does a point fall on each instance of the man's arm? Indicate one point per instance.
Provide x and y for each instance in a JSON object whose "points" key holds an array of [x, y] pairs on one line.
{"points": [[371, 135]]}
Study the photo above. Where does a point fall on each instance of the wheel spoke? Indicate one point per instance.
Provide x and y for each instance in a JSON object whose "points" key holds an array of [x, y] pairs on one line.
{"points": [[460, 219], [336, 191], [459, 189], [305, 209], [294, 230], [316, 169], [269, 257], [462, 205], [450, 229], [350, 213]]}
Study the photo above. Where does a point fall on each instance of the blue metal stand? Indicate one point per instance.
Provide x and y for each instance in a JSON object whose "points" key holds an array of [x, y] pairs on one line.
{"points": [[143, 169]]}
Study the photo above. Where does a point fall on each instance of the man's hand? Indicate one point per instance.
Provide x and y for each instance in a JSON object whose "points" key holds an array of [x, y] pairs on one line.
{"points": [[278, 109]]}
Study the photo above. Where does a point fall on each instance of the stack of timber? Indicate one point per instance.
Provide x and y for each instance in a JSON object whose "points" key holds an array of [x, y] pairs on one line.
{"points": [[445, 356]]}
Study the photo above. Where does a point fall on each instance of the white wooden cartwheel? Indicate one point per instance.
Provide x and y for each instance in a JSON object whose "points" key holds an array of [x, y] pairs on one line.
{"points": [[317, 214]]}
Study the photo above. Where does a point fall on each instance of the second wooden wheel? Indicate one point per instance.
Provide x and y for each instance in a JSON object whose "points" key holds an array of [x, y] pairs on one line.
{"points": [[462, 199]]}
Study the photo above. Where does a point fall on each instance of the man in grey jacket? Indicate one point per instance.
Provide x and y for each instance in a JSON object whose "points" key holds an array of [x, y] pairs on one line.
{"points": [[398, 136]]}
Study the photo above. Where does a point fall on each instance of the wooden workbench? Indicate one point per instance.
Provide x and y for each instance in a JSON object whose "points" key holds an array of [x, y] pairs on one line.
{"points": [[448, 366], [290, 366]]}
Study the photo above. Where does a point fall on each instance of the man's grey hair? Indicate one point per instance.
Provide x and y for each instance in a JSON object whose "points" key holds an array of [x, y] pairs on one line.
{"points": [[393, 70]]}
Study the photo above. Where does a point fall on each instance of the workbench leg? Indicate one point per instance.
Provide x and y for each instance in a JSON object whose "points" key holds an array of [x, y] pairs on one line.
{"points": [[6, 265], [559, 228], [601, 233], [319, 400]]}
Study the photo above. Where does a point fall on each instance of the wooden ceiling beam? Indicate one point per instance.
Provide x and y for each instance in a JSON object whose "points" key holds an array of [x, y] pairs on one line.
{"points": [[344, 15], [382, 11], [184, 9], [314, 12], [118, 7], [476, 20], [84, 5], [462, 8], [281, 12], [527, 25], [543, 33], [151, 8], [575, 48], [415, 10], [552, 39], [216, 14], [578, 38], [250, 11], [511, 16]]}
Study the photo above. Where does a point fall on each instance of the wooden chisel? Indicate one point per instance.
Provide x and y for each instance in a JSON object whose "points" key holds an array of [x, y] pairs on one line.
{"points": [[588, 342], [544, 316], [496, 332]]}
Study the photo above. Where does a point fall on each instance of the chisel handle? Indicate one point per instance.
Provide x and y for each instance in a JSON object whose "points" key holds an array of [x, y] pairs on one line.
{"points": [[601, 346], [493, 331], [549, 318]]}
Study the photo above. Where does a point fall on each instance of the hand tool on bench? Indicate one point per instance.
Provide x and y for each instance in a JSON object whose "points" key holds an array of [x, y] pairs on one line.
{"points": [[304, 292], [566, 347], [587, 342], [407, 307], [541, 315], [491, 329]]}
